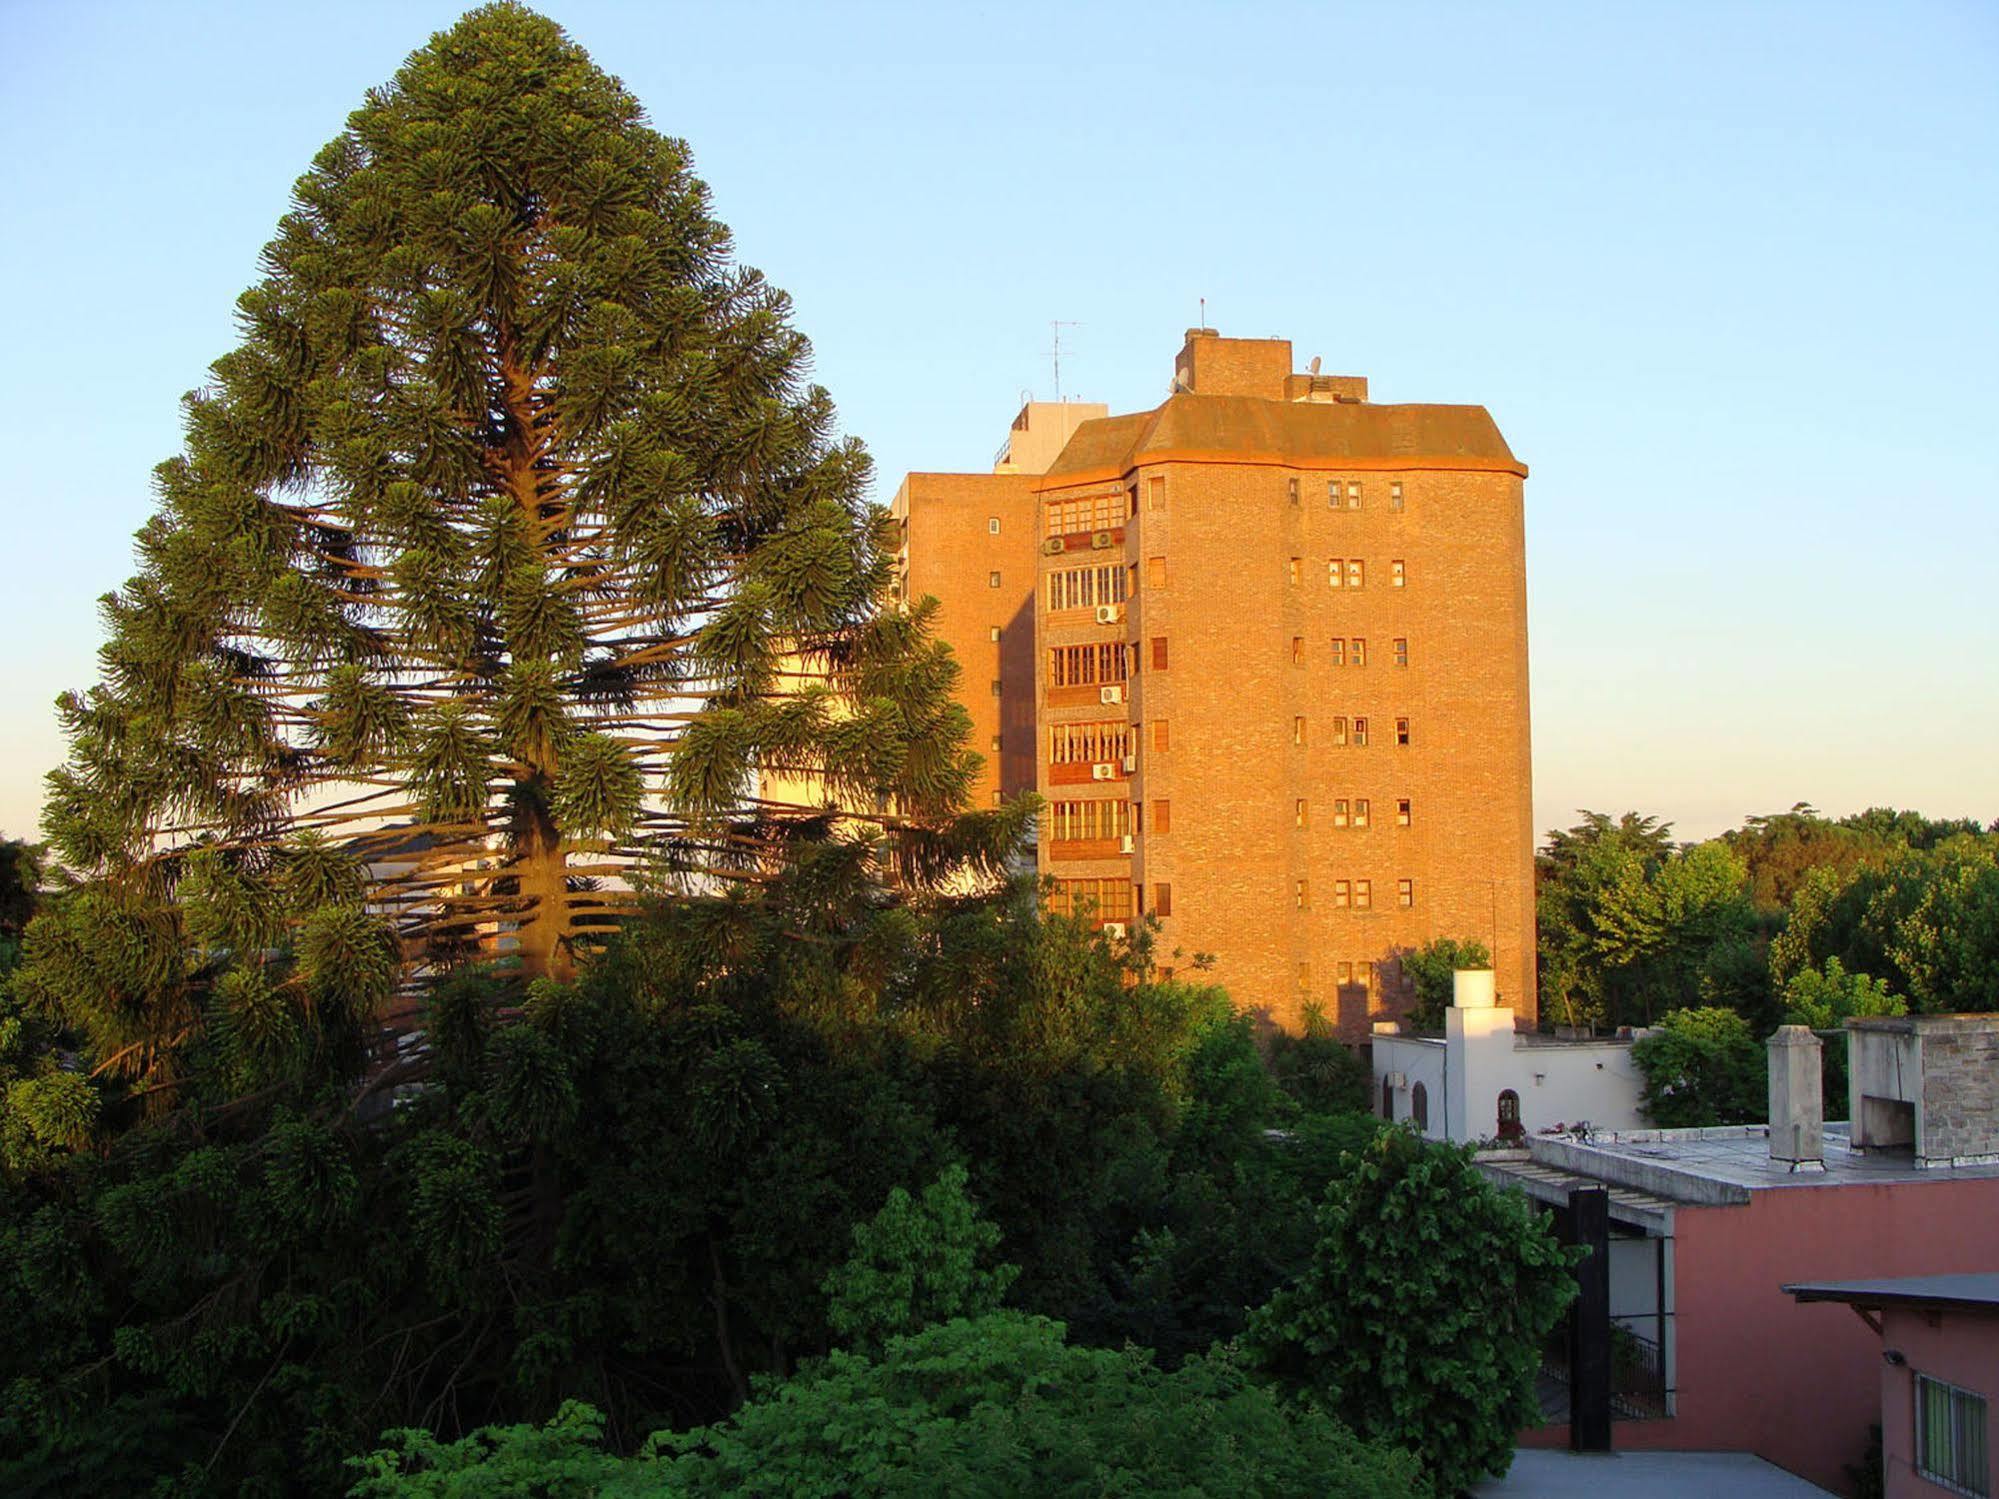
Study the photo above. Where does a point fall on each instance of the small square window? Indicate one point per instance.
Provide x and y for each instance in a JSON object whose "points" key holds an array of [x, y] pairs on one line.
{"points": [[1402, 818], [1339, 812], [1363, 895], [1160, 737], [1159, 653], [1405, 893], [992, 525], [1291, 490], [1397, 574], [1297, 650], [1335, 572], [996, 687], [1401, 652], [993, 634], [1302, 896], [992, 580], [1343, 974], [996, 744], [1356, 573], [1402, 731], [1162, 900], [1339, 651], [1342, 894], [1360, 731], [1395, 497], [1360, 811], [1339, 735], [1162, 817], [1303, 813], [1359, 652], [1298, 730]]}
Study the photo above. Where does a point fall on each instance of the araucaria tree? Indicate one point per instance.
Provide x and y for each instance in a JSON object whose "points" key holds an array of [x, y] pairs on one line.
{"points": [[508, 555]]}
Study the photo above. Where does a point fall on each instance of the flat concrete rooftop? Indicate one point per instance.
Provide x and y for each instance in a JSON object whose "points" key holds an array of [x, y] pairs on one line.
{"points": [[1540, 1474]]}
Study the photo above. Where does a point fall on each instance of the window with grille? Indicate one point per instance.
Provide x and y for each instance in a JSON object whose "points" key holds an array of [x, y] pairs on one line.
{"points": [[1950, 1437], [1072, 821], [1096, 512], [1084, 665], [1069, 743], [1085, 587], [1103, 900]]}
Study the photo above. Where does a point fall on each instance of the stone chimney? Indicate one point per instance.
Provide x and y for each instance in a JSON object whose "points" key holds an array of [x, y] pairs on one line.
{"points": [[1797, 1099]]}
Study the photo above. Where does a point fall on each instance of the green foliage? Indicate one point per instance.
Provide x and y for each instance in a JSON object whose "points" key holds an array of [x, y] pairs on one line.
{"points": [[1824, 1000], [1702, 1067], [1421, 1316], [1430, 968], [915, 1264], [1320, 1072], [999, 1404]]}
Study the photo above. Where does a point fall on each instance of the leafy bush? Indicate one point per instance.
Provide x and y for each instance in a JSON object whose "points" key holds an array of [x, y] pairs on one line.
{"points": [[1421, 1316], [1430, 969], [1000, 1404], [915, 1264], [1702, 1067]]}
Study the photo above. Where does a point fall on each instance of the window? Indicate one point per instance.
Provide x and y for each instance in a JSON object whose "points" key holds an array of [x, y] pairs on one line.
{"points": [[1095, 512], [1343, 975], [1401, 652], [1419, 1106], [1339, 735], [1397, 574], [1509, 1115], [1387, 1099], [1302, 895], [1360, 731], [1297, 650], [1298, 730], [1297, 570], [1353, 494], [1161, 739], [1402, 732], [1395, 497], [1358, 653], [996, 744], [1098, 900], [1162, 817], [1340, 813], [1342, 894], [992, 525], [992, 580], [1950, 1437], [992, 634], [996, 687], [1363, 895], [1360, 806], [1074, 821], [1339, 651], [1132, 495], [1336, 571], [1070, 743], [1155, 493], [1402, 812], [1356, 573], [1304, 975], [1155, 572], [1162, 900], [1159, 653], [1085, 587], [1302, 813], [1291, 489], [1405, 893], [1084, 665]]}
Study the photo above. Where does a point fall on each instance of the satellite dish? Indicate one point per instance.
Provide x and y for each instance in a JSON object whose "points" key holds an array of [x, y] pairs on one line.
{"points": [[1315, 364]]}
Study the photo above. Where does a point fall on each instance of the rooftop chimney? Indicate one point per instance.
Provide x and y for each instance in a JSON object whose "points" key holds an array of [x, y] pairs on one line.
{"points": [[1797, 1099]]}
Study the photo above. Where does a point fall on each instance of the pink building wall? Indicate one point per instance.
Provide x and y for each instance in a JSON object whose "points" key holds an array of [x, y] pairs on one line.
{"points": [[1798, 1385], [1960, 1347]]}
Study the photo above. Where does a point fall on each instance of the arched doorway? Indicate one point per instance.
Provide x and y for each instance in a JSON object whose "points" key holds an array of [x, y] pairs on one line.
{"points": [[1509, 1115], [1388, 1100], [1419, 1106]]}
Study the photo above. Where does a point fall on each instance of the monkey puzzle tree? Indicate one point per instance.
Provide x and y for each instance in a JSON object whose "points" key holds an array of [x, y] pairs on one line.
{"points": [[507, 552]]}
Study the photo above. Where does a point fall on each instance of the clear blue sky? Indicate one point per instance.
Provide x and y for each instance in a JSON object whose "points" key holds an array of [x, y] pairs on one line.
{"points": [[1727, 275]]}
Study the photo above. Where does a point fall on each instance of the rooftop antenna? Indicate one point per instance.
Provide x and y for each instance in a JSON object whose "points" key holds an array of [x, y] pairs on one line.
{"points": [[1055, 354], [1204, 314]]}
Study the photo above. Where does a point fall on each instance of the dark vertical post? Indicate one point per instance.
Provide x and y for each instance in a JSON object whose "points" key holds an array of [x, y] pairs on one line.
{"points": [[1589, 1323]]}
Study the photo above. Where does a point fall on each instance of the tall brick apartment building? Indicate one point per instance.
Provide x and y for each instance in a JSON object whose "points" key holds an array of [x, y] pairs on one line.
{"points": [[1263, 650]]}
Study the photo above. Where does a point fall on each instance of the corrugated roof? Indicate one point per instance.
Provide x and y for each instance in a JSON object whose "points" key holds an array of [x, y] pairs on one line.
{"points": [[1974, 1290], [1303, 434]]}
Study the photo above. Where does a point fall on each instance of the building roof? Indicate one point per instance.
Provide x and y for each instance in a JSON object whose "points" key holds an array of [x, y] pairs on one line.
{"points": [[1980, 1291], [1189, 427]]}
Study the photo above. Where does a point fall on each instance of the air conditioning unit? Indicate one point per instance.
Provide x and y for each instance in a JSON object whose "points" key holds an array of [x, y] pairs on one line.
{"points": [[1109, 614], [1054, 545], [1127, 844], [1110, 694], [1113, 929], [1396, 1080], [1103, 772], [1130, 764], [1100, 539]]}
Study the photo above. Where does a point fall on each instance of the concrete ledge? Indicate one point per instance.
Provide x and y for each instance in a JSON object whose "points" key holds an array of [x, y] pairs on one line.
{"points": [[1656, 1177]]}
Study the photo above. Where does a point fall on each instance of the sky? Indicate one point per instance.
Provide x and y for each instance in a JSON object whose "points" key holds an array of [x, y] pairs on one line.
{"points": [[1726, 275]]}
